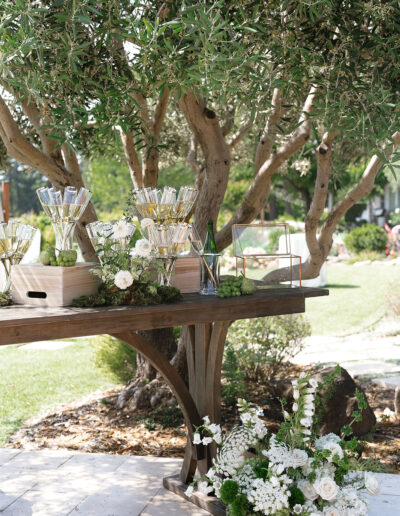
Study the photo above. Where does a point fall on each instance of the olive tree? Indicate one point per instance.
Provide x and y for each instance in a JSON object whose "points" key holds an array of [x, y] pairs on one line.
{"points": [[90, 77]]}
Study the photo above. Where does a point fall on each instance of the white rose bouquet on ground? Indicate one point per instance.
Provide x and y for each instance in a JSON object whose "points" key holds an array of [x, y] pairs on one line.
{"points": [[291, 473]]}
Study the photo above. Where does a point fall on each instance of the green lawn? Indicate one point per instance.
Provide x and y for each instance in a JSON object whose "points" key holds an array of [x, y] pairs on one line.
{"points": [[357, 298], [34, 381]]}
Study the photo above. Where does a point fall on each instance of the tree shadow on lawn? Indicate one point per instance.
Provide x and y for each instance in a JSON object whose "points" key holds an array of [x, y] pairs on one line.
{"points": [[338, 285]]}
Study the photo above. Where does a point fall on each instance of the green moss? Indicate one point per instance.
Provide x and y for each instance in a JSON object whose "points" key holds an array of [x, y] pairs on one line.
{"points": [[139, 294]]}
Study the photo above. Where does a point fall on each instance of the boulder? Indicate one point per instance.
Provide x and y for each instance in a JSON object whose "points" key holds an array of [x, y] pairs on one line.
{"points": [[339, 406]]}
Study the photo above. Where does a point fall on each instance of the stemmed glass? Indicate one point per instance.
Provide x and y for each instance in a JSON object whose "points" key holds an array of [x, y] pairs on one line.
{"points": [[15, 239], [169, 242], [64, 211], [163, 206], [118, 232]]}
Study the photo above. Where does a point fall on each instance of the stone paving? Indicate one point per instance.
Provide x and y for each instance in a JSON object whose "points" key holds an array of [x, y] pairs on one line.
{"points": [[62, 483], [370, 354]]}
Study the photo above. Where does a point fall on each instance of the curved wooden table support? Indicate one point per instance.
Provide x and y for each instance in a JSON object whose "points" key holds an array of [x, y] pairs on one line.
{"points": [[205, 321]]}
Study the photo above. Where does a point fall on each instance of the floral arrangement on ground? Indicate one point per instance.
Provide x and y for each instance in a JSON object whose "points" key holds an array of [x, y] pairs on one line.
{"points": [[293, 472], [128, 269]]}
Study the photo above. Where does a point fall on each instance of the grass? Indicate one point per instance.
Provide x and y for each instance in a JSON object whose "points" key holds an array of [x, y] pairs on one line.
{"points": [[365, 255], [358, 297], [35, 381]]}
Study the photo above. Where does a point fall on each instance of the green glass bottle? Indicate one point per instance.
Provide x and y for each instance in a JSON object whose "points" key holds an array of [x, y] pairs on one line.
{"points": [[209, 264], [210, 247]]}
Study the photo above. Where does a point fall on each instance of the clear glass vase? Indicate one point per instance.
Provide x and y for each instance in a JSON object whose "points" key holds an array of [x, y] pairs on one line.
{"points": [[209, 274]]}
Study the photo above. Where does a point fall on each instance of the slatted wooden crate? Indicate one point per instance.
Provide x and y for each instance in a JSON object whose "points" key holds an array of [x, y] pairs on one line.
{"points": [[37, 284], [186, 275]]}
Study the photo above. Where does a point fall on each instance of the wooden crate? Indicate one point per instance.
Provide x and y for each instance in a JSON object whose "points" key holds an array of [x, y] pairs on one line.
{"points": [[37, 284], [186, 275]]}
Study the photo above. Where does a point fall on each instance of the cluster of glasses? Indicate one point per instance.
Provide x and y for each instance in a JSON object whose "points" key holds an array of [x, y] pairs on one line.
{"points": [[165, 205], [15, 239], [170, 240], [64, 211], [99, 232]]}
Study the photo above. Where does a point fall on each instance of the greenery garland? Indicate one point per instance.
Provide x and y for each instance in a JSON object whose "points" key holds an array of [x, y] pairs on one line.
{"points": [[139, 293]]}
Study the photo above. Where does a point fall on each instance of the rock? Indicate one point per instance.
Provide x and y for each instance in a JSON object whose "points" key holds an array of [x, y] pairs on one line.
{"points": [[397, 402], [339, 406]]}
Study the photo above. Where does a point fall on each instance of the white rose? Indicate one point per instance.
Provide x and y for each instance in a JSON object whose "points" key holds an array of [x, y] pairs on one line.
{"points": [[332, 511], [143, 248], [121, 229], [123, 279], [196, 439], [189, 491], [308, 490], [371, 485], [335, 449], [298, 509], [326, 488], [300, 458]]}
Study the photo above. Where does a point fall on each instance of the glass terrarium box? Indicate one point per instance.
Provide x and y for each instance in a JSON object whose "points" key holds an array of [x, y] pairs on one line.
{"points": [[262, 252]]}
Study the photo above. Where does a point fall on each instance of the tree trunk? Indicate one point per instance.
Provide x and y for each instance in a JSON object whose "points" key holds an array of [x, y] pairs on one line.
{"points": [[147, 389]]}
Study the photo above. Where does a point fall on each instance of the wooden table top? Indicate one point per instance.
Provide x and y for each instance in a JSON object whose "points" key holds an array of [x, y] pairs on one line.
{"points": [[23, 323]]}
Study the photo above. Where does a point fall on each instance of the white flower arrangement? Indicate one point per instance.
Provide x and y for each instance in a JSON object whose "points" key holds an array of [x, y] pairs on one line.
{"points": [[290, 473]]}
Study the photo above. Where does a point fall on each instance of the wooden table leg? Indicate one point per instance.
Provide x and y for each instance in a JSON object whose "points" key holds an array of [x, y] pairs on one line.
{"points": [[204, 351]]}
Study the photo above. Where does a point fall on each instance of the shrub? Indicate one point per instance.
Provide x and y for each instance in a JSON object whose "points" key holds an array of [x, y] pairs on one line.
{"points": [[366, 238], [261, 345], [234, 386], [115, 358]]}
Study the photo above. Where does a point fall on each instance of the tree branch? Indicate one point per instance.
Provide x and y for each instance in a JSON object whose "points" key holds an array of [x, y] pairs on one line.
{"points": [[324, 168], [256, 196], [268, 135], [363, 188], [132, 159], [239, 135], [159, 114]]}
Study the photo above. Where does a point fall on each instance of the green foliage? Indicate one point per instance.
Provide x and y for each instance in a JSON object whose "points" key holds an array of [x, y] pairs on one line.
{"points": [[366, 238], [23, 184], [115, 358], [234, 386], [42, 222], [110, 182], [239, 506], [262, 344], [5, 299], [296, 496], [229, 491], [395, 218], [139, 293]]}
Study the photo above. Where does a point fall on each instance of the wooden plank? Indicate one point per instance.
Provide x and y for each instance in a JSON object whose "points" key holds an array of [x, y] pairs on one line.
{"points": [[20, 324], [209, 503]]}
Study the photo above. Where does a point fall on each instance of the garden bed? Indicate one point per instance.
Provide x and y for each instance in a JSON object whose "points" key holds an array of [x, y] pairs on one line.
{"points": [[94, 425]]}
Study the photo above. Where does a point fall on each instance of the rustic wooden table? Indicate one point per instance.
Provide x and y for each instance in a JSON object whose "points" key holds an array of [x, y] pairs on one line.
{"points": [[206, 319]]}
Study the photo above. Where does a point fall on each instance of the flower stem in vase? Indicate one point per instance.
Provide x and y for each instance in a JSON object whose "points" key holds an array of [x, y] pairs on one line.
{"points": [[168, 266], [64, 232]]}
